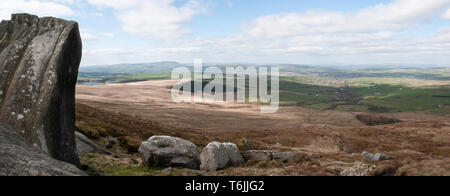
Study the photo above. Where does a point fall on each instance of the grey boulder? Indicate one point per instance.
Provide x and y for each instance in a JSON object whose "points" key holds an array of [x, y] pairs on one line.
{"points": [[369, 157], [18, 158], [166, 151], [218, 156], [39, 60]]}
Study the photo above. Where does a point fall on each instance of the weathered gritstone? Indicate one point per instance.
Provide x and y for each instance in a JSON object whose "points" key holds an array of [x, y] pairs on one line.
{"points": [[18, 158], [169, 151], [218, 156], [39, 60]]}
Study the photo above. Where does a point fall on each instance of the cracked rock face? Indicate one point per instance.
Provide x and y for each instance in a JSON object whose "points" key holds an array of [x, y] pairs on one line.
{"points": [[39, 60]]}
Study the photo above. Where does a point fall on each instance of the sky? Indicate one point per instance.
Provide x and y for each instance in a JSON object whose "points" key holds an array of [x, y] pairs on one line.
{"points": [[319, 32]]}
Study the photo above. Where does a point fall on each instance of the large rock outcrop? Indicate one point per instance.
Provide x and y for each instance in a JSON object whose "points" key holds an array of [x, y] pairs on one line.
{"points": [[18, 158], [39, 60], [169, 151]]}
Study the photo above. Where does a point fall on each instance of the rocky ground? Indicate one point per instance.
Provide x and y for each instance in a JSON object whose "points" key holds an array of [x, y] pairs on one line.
{"points": [[326, 142], [419, 147]]}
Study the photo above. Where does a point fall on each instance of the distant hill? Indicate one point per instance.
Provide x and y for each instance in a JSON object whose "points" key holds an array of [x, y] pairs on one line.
{"points": [[157, 67], [121, 71], [168, 66]]}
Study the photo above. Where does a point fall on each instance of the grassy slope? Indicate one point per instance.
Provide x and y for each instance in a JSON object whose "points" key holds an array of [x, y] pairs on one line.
{"points": [[362, 94], [99, 124]]}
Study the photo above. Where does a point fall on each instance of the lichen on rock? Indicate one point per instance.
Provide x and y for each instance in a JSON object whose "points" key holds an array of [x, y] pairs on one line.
{"points": [[39, 60]]}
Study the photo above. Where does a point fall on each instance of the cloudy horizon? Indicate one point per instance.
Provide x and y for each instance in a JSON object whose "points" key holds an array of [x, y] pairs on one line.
{"points": [[322, 32]]}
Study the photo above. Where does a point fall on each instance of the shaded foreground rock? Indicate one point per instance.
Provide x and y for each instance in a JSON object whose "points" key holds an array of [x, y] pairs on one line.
{"points": [[264, 155], [218, 156], [18, 158], [369, 157], [39, 60], [166, 151]]}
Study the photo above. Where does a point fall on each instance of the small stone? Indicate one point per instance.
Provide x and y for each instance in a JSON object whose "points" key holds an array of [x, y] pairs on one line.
{"points": [[168, 170], [369, 157], [20, 117]]}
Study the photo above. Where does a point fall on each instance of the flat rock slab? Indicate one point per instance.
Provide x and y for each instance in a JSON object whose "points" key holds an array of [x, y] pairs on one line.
{"points": [[17, 158], [86, 146], [39, 60]]}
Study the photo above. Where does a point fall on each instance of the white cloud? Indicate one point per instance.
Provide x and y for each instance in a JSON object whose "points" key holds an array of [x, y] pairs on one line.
{"points": [[90, 35], [398, 15], [38, 7], [385, 33], [153, 18], [446, 15], [87, 35], [135, 55]]}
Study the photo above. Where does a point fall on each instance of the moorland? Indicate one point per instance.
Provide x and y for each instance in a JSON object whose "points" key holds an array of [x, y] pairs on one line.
{"points": [[328, 115]]}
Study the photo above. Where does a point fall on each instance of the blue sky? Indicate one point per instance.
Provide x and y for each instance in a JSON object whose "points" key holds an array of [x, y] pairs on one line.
{"points": [[320, 32]]}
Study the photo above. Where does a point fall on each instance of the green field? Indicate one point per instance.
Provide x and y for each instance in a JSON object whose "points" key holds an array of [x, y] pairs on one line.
{"points": [[396, 90], [121, 78], [360, 97]]}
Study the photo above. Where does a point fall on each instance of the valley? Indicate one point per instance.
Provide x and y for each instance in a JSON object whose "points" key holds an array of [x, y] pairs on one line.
{"points": [[318, 118]]}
